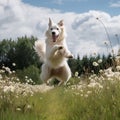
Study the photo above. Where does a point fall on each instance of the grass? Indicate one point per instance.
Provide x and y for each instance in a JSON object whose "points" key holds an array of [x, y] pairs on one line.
{"points": [[96, 97], [65, 103]]}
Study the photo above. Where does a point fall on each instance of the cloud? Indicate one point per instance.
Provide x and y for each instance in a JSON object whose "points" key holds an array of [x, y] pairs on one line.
{"points": [[85, 34], [115, 4]]}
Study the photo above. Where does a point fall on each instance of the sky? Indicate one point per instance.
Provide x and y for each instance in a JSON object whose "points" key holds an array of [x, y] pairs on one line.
{"points": [[79, 6], [86, 35]]}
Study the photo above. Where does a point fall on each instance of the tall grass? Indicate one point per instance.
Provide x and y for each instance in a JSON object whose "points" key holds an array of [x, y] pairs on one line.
{"points": [[65, 103]]}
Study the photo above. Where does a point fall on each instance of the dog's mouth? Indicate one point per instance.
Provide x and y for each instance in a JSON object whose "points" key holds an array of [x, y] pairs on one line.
{"points": [[54, 37]]}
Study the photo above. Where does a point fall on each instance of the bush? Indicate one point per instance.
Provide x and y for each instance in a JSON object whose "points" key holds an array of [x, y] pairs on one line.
{"points": [[31, 72]]}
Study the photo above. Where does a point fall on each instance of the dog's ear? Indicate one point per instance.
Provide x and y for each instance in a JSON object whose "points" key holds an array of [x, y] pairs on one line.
{"points": [[61, 23], [50, 22]]}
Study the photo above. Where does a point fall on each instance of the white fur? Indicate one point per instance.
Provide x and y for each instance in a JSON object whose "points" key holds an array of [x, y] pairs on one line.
{"points": [[54, 54]]}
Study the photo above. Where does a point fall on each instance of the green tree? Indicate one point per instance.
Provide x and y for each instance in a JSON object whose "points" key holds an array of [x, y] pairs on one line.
{"points": [[6, 47], [24, 52]]}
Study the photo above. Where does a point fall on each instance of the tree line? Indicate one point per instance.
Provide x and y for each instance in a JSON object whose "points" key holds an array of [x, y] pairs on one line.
{"points": [[21, 52]]}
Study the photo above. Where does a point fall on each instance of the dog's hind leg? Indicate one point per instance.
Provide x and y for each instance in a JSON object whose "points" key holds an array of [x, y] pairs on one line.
{"points": [[64, 74], [45, 74]]}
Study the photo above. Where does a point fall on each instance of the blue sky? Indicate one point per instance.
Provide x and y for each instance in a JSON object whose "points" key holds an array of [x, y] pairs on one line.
{"points": [[85, 34], [79, 6]]}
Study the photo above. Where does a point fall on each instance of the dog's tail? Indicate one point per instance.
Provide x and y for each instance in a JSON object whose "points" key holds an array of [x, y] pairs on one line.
{"points": [[40, 49]]}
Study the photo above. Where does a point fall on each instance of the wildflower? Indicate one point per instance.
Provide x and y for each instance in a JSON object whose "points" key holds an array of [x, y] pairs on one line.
{"points": [[29, 106], [2, 71], [76, 74], [95, 84], [8, 70], [26, 77], [8, 89], [17, 79], [18, 109], [81, 90], [101, 71], [89, 92], [30, 80], [118, 68], [13, 71], [108, 71], [13, 64], [81, 95], [92, 71], [95, 64], [100, 61]]}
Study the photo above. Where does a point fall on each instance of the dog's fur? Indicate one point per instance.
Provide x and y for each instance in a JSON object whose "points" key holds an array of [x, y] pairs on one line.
{"points": [[54, 53]]}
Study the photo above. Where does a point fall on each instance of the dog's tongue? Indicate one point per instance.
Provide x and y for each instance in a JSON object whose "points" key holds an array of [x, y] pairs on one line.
{"points": [[54, 37]]}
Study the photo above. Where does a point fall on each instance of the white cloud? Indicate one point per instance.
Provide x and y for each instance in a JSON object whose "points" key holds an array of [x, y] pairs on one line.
{"points": [[116, 4], [86, 35]]}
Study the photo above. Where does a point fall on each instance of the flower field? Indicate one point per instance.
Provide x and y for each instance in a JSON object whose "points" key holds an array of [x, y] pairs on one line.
{"points": [[94, 97]]}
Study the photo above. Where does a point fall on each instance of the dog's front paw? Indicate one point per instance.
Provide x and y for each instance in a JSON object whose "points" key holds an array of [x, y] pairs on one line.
{"points": [[60, 47], [70, 56]]}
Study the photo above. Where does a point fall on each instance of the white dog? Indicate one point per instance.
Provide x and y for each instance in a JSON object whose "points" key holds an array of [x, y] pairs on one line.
{"points": [[54, 53]]}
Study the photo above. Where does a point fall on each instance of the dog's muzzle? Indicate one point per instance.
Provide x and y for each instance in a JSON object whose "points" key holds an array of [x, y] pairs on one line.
{"points": [[54, 36]]}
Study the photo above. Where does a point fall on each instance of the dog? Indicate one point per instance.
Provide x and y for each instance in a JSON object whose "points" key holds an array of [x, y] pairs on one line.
{"points": [[54, 53]]}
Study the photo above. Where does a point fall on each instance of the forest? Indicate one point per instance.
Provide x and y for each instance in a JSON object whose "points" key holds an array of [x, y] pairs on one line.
{"points": [[19, 55]]}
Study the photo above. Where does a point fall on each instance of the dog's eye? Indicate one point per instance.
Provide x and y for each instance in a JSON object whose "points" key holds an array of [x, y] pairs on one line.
{"points": [[51, 29], [57, 28]]}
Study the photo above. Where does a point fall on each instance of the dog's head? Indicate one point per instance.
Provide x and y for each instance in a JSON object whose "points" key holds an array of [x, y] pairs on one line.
{"points": [[55, 32]]}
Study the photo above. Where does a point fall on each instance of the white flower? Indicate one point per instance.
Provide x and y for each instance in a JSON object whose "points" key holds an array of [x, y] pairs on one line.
{"points": [[8, 70], [8, 89], [101, 71], [2, 71], [95, 64], [26, 77], [95, 84], [118, 68], [89, 92], [76, 74], [13, 71], [18, 109], [13, 64], [29, 106], [100, 61]]}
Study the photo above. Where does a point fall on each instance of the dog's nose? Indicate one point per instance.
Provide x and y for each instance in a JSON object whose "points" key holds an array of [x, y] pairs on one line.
{"points": [[53, 33]]}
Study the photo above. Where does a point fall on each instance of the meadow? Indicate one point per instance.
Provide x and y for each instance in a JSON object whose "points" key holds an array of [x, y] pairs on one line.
{"points": [[93, 97]]}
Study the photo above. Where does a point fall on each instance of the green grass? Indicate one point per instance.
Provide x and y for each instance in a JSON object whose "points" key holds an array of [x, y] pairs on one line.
{"points": [[65, 103]]}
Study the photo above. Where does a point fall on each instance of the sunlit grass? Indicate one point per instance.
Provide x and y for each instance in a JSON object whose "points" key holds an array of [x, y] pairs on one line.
{"points": [[65, 103], [93, 97]]}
